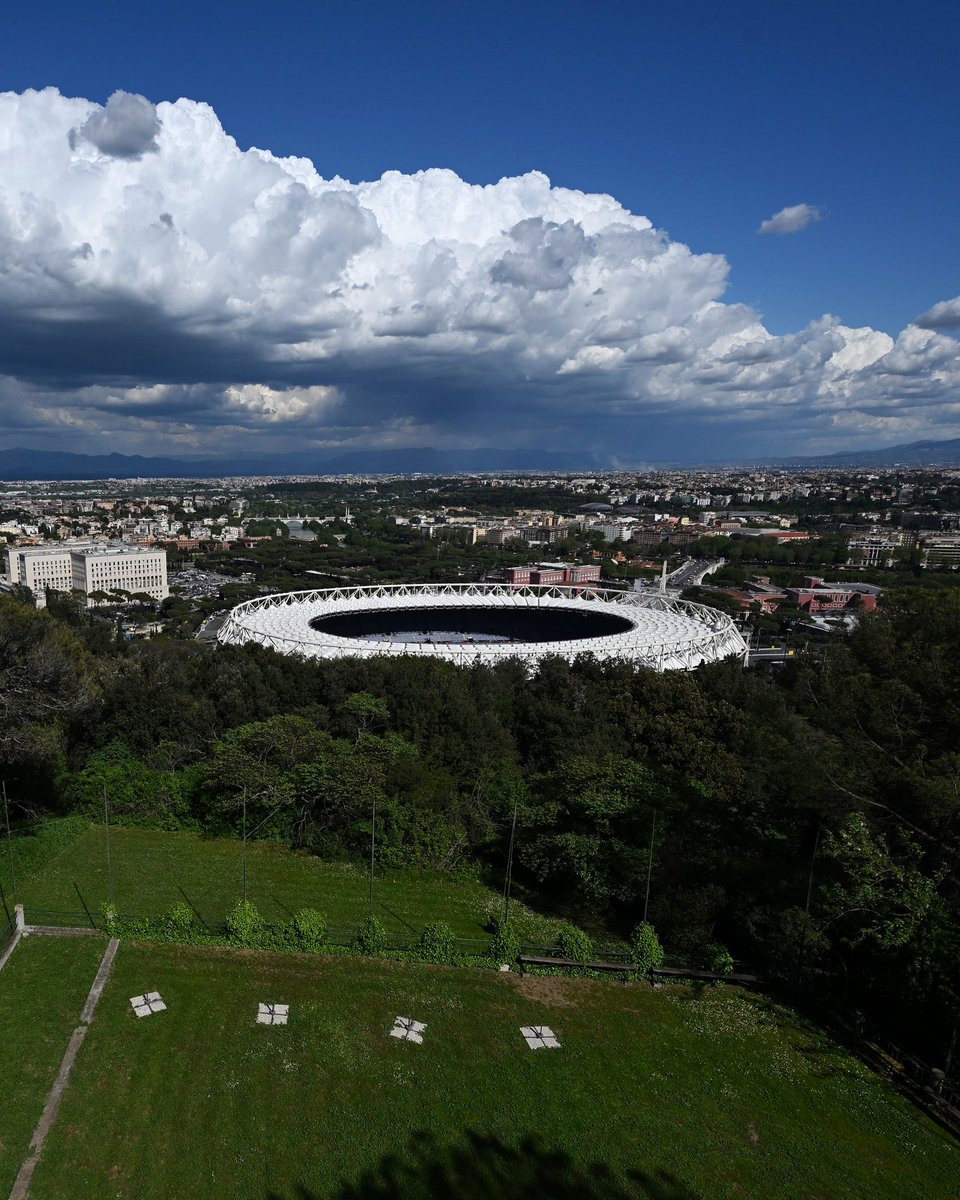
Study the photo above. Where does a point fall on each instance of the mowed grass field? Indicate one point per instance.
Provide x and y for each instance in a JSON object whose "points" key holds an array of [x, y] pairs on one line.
{"points": [[671, 1093], [152, 870], [42, 991]]}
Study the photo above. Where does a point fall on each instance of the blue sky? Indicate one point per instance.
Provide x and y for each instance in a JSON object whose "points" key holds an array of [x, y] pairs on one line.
{"points": [[707, 120]]}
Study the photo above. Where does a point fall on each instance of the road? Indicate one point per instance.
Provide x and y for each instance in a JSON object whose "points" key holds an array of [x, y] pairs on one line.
{"points": [[692, 573]]}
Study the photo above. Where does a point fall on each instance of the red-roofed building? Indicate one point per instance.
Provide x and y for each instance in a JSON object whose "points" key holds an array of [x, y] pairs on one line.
{"points": [[816, 596], [545, 574]]}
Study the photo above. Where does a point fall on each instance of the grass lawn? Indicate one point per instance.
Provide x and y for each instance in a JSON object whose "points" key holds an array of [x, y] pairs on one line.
{"points": [[42, 990], [152, 870], [713, 1094]]}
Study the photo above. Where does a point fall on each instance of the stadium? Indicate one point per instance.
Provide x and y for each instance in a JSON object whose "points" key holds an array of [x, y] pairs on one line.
{"points": [[471, 623]]}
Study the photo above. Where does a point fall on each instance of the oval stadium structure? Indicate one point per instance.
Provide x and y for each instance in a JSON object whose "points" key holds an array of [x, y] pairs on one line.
{"points": [[470, 623]]}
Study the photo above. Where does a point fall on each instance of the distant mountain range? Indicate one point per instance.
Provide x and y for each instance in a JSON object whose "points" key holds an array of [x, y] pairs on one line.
{"points": [[905, 454], [21, 463]]}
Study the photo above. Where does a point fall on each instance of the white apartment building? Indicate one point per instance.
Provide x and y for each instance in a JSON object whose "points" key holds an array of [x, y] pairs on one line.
{"points": [[941, 550], [88, 567]]}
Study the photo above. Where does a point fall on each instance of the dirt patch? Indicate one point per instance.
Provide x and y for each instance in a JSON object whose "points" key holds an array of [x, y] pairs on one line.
{"points": [[754, 1136], [554, 990]]}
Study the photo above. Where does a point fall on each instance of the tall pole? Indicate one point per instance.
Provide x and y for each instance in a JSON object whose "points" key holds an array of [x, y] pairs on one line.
{"points": [[13, 870], [373, 848], [801, 965], [244, 845], [813, 859], [106, 832], [953, 1045], [508, 881], [646, 898]]}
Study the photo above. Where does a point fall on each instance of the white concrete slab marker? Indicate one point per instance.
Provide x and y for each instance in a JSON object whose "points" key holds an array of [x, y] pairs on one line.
{"points": [[406, 1029], [540, 1037], [147, 1004], [273, 1014]]}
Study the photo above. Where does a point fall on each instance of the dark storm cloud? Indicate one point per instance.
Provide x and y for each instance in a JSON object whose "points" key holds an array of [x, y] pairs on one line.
{"points": [[945, 315]]}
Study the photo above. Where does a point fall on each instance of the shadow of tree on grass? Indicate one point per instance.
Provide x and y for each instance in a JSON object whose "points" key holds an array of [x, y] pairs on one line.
{"points": [[482, 1167]]}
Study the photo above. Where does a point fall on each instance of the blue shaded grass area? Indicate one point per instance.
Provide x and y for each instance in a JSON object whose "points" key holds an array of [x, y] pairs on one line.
{"points": [[716, 1094]]}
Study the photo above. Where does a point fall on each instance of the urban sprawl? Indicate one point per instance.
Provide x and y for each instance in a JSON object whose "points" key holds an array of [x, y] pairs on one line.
{"points": [[791, 553]]}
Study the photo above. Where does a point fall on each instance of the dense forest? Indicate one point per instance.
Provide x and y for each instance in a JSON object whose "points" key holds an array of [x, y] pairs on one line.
{"points": [[806, 818]]}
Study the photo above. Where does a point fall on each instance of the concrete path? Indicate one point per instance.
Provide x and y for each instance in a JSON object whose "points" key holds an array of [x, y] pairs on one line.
{"points": [[63, 930], [11, 946], [21, 1188]]}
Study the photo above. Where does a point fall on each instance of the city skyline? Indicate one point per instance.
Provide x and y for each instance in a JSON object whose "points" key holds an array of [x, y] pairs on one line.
{"points": [[627, 269]]}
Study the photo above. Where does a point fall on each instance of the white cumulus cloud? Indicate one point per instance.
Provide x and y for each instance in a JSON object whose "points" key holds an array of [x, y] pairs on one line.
{"points": [[791, 219], [165, 289]]}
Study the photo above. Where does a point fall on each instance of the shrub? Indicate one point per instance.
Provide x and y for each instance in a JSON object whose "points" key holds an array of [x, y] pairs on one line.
{"points": [[574, 943], [181, 920], [716, 957], [437, 943], [310, 928], [111, 918], [505, 947], [371, 938], [245, 925], [645, 949]]}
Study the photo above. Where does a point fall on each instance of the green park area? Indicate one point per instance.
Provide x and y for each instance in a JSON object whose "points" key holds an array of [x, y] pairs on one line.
{"points": [[672, 1094], [148, 871]]}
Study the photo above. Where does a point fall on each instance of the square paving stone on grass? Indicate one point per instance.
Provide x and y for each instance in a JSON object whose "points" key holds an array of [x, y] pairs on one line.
{"points": [[147, 1004], [407, 1029], [273, 1014], [540, 1037]]}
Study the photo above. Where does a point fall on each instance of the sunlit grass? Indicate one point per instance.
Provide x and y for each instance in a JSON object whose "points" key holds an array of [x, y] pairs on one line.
{"points": [[152, 870]]}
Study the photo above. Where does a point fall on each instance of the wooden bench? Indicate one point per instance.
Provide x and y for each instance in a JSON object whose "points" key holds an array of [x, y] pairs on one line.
{"points": [[530, 960], [626, 968], [706, 976]]}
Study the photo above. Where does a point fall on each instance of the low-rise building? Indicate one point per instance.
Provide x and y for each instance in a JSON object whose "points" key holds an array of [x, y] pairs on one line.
{"points": [[941, 550], [815, 596], [544, 574]]}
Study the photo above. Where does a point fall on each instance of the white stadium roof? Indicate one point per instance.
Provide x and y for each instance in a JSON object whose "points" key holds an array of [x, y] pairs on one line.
{"points": [[663, 633]]}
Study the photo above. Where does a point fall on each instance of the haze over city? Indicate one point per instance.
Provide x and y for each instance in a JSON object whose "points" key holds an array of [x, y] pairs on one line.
{"points": [[642, 236]]}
